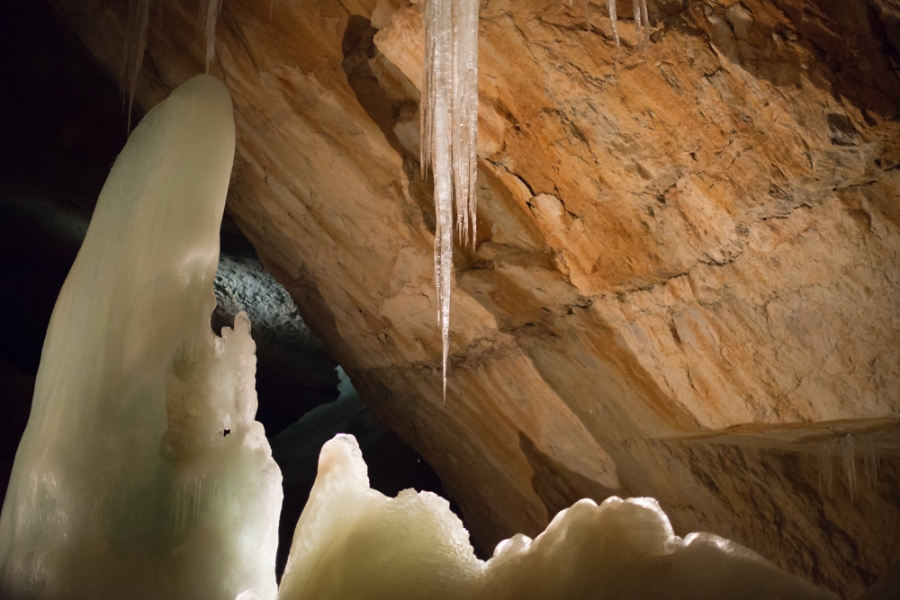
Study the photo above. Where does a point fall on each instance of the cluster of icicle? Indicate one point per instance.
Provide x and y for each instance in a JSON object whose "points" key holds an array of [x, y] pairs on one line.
{"points": [[846, 448], [450, 129], [449, 137], [641, 22], [136, 43]]}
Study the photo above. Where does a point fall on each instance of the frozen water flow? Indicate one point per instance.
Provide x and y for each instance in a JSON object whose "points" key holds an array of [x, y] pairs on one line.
{"points": [[136, 43], [614, 23], [871, 460], [847, 447], [125, 484], [641, 23], [637, 22], [449, 138], [849, 462], [826, 461]]}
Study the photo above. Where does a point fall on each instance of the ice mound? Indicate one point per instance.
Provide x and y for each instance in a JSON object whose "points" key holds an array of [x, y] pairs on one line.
{"points": [[353, 543]]}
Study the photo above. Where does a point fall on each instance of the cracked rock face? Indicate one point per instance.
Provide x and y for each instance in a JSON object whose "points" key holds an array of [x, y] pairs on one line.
{"points": [[687, 277]]}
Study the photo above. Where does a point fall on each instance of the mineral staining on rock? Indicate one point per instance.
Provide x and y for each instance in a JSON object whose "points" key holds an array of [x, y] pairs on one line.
{"points": [[142, 473], [353, 543]]}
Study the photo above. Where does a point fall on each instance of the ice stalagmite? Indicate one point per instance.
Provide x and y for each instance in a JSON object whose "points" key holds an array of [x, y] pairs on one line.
{"points": [[142, 473], [449, 137], [353, 543]]}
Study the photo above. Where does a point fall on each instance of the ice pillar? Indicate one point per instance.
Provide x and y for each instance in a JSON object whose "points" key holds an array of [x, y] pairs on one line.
{"points": [[142, 473]]}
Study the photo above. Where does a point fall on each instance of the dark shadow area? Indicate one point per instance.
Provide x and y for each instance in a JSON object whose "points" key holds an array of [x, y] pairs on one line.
{"points": [[849, 49], [393, 465], [886, 588], [61, 127], [294, 372], [358, 47], [558, 486]]}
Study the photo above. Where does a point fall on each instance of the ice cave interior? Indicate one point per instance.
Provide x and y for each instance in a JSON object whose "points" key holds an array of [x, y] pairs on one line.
{"points": [[262, 341]]}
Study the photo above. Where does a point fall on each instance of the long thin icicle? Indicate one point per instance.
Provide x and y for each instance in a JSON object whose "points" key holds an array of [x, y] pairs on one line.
{"points": [[641, 23], [135, 44], [637, 23], [212, 12], [449, 137], [646, 33]]}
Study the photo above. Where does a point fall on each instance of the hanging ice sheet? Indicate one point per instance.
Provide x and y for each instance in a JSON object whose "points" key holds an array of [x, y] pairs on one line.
{"points": [[142, 473]]}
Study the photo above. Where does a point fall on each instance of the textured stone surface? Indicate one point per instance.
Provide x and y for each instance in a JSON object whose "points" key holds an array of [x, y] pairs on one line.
{"points": [[702, 240]]}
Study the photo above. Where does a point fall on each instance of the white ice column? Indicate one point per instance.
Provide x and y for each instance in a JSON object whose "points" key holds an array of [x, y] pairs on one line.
{"points": [[142, 473]]}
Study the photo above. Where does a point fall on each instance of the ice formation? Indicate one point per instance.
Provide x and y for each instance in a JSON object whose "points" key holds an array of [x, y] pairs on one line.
{"points": [[641, 23], [614, 23], [212, 14], [846, 447], [135, 44], [449, 137], [450, 128], [353, 543], [142, 473]]}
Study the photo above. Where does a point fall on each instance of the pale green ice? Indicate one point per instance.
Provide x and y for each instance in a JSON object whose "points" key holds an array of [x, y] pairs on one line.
{"points": [[124, 484], [353, 543]]}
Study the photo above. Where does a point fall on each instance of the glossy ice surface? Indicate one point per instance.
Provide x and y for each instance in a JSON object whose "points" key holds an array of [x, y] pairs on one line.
{"points": [[142, 473], [353, 543]]}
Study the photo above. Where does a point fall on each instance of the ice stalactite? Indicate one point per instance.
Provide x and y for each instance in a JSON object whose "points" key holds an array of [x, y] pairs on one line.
{"points": [[142, 472], [213, 7], [353, 543], [848, 458], [846, 449], [449, 138], [646, 23], [614, 23], [135, 45], [870, 449], [826, 463], [641, 23]]}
